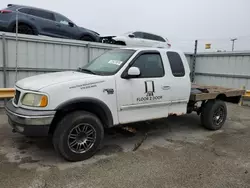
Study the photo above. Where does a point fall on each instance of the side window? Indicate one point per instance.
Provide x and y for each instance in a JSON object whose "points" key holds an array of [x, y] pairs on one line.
{"points": [[150, 65], [158, 38], [42, 14], [62, 19], [176, 64], [154, 37], [138, 34], [148, 36], [24, 10]]}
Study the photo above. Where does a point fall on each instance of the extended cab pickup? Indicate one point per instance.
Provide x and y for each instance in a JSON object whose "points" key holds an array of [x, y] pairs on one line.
{"points": [[119, 87]]}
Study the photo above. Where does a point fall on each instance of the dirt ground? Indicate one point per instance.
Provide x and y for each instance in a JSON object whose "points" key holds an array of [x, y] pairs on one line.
{"points": [[176, 152]]}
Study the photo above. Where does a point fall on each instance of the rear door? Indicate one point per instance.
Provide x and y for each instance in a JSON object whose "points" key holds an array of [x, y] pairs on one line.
{"points": [[65, 27], [44, 20], [160, 42], [149, 40], [181, 83]]}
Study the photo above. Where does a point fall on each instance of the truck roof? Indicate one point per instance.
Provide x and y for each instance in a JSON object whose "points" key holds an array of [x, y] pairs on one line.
{"points": [[151, 48]]}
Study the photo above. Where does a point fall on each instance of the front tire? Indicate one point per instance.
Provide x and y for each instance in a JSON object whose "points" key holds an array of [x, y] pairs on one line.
{"points": [[213, 114], [78, 136]]}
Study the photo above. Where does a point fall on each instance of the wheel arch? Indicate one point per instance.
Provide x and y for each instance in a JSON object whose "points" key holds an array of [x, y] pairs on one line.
{"points": [[23, 22], [120, 42], [87, 35], [92, 105]]}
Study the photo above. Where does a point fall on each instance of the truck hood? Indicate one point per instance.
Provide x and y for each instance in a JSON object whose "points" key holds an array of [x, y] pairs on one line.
{"points": [[38, 82]]}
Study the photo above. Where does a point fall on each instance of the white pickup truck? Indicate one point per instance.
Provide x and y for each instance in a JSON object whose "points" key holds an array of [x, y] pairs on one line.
{"points": [[119, 87]]}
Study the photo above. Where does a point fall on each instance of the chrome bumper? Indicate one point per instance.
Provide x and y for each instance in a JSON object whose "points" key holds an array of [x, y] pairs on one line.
{"points": [[29, 122]]}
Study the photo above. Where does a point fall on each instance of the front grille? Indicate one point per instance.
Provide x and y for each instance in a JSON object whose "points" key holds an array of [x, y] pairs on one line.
{"points": [[17, 96]]}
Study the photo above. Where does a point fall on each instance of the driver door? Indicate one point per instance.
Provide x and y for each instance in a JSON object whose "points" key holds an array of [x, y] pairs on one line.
{"points": [[64, 27], [146, 96]]}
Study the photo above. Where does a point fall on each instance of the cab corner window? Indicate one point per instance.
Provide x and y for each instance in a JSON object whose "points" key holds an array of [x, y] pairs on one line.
{"points": [[150, 65], [176, 64]]}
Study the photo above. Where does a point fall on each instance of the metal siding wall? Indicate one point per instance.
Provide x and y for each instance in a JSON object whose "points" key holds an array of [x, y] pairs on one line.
{"points": [[235, 65], [189, 59], [38, 55], [222, 81], [1, 52], [95, 52], [1, 79], [1, 63], [228, 70]]}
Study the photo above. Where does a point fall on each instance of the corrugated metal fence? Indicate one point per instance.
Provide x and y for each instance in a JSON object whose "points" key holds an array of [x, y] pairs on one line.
{"points": [[228, 69], [36, 55]]}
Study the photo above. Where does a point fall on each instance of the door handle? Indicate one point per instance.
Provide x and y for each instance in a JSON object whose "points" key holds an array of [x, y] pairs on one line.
{"points": [[165, 87]]}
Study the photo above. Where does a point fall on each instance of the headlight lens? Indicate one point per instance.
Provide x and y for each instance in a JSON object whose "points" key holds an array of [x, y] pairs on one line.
{"points": [[36, 100]]}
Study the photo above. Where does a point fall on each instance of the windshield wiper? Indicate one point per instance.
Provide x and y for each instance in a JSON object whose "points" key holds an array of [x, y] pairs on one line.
{"points": [[86, 70]]}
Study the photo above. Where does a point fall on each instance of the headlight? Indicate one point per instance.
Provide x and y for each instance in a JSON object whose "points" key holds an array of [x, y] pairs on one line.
{"points": [[36, 100]]}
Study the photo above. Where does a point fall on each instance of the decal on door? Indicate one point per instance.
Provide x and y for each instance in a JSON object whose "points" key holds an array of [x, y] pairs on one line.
{"points": [[109, 91], [86, 86], [149, 92]]}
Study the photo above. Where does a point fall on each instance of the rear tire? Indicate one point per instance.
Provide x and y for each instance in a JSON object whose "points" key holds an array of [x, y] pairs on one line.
{"points": [[213, 114], [24, 29], [78, 136]]}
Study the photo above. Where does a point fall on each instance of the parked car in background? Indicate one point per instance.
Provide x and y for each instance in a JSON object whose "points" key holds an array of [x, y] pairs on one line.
{"points": [[138, 39], [36, 21]]}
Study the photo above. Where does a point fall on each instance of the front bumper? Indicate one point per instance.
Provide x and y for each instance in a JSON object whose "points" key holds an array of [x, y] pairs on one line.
{"points": [[29, 122]]}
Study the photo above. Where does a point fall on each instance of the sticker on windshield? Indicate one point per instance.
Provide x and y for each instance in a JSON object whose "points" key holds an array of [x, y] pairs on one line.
{"points": [[115, 62]]}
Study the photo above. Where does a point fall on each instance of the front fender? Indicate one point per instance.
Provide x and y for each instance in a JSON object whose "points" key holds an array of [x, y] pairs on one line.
{"points": [[120, 38], [96, 38], [100, 104]]}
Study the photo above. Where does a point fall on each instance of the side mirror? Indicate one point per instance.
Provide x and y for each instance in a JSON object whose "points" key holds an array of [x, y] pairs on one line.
{"points": [[133, 72], [131, 35], [71, 24]]}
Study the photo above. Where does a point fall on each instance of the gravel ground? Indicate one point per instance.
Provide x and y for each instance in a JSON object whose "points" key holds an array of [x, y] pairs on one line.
{"points": [[174, 152]]}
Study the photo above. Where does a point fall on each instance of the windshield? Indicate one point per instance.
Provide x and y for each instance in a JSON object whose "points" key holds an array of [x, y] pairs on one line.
{"points": [[108, 63]]}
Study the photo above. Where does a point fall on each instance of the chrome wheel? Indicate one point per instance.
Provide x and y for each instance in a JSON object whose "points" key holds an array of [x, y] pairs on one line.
{"points": [[219, 115], [81, 138]]}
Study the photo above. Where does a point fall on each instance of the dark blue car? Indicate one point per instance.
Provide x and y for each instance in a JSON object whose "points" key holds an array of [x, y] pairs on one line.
{"points": [[36, 21]]}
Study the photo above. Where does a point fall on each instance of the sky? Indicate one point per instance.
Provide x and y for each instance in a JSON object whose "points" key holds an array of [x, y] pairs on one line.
{"points": [[181, 21]]}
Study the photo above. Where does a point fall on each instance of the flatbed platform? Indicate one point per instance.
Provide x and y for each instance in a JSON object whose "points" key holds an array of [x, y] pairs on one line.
{"points": [[201, 93]]}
